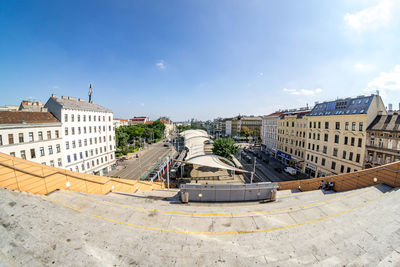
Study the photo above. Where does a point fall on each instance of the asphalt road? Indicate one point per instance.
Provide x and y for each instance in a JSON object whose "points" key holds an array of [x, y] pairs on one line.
{"points": [[135, 168], [266, 172]]}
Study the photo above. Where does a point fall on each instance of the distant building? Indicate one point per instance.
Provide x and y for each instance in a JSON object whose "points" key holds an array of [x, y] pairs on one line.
{"points": [[269, 132], [383, 140], [138, 120], [34, 136], [8, 108], [120, 122], [29, 106], [88, 134], [337, 134]]}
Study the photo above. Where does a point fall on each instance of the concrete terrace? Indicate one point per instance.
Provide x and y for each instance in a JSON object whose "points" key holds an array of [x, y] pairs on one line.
{"points": [[65, 228]]}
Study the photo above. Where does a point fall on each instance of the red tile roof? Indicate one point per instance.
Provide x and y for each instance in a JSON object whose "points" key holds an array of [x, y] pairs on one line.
{"points": [[10, 117]]}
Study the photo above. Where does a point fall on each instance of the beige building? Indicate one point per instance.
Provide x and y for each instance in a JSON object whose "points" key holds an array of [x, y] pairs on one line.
{"points": [[336, 134], [292, 127], [269, 132], [383, 140]]}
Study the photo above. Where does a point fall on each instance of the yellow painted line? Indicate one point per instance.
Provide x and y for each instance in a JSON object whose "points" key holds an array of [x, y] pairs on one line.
{"points": [[232, 232], [226, 214], [65, 205]]}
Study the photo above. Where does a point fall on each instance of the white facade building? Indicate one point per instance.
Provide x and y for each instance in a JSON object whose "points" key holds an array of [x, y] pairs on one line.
{"points": [[228, 129], [269, 132], [34, 136], [88, 134]]}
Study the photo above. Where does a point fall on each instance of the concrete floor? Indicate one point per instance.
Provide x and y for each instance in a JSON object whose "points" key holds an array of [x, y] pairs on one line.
{"points": [[360, 228]]}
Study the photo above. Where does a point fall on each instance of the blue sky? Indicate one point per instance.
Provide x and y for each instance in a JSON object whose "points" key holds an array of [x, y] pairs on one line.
{"points": [[199, 59]]}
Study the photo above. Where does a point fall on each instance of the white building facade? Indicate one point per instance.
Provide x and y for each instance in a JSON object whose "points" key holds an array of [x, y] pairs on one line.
{"points": [[88, 134], [228, 129], [269, 132], [34, 136]]}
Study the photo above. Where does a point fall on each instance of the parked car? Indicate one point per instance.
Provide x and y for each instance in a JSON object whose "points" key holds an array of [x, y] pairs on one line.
{"points": [[290, 170]]}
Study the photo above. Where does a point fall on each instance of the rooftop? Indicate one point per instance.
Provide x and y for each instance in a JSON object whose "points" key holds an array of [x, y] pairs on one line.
{"points": [[347, 106], [80, 104], [14, 117], [389, 123]]}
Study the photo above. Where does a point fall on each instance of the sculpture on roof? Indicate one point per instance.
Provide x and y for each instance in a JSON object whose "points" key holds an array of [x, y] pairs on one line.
{"points": [[90, 93]]}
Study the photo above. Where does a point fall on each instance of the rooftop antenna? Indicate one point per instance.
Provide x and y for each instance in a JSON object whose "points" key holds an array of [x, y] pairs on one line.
{"points": [[90, 93]]}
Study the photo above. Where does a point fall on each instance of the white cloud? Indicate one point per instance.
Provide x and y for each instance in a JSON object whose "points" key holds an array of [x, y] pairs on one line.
{"points": [[364, 67], [160, 64], [386, 81], [141, 104], [371, 18], [303, 92]]}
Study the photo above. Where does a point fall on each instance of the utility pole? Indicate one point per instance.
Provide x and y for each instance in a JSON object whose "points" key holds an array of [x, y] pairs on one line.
{"points": [[254, 170]]}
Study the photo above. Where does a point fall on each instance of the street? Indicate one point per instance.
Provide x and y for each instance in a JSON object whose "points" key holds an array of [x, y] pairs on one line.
{"points": [[136, 167]]}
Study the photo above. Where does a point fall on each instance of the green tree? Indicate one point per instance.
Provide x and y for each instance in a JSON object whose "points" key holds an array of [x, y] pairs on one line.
{"points": [[245, 131], [225, 147]]}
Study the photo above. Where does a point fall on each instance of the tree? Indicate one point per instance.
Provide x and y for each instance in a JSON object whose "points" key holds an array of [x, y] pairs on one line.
{"points": [[225, 147], [245, 131]]}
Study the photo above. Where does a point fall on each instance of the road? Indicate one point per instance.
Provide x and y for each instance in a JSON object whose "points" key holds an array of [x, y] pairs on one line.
{"points": [[135, 168], [266, 172]]}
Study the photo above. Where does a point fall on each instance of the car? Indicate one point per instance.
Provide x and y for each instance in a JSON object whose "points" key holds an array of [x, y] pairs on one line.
{"points": [[166, 145], [290, 170]]}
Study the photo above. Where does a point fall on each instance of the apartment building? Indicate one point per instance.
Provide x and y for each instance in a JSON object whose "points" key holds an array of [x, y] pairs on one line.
{"points": [[269, 132], [138, 120], [292, 128], [88, 134], [336, 134], [383, 140], [34, 136]]}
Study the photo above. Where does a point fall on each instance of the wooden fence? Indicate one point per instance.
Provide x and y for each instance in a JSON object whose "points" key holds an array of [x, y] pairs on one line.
{"points": [[27, 176]]}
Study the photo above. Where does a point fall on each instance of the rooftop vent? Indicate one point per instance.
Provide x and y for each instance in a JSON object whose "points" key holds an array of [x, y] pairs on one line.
{"points": [[81, 100], [53, 95], [71, 98], [63, 97]]}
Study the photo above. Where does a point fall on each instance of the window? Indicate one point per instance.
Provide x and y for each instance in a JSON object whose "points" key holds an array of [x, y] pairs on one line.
{"points": [[84, 117], [69, 158], [73, 130], [79, 130], [344, 154], [66, 117], [48, 135], [83, 167], [90, 118], [346, 126], [86, 153], [33, 154], [12, 154], [85, 142], [80, 155], [337, 125], [80, 143], [57, 134], [59, 162], [21, 137], [326, 125], [333, 166], [323, 162], [324, 150], [94, 118], [342, 169], [346, 140], [75, 158], [353, 126], [360, 126], [52, 163], [67, 145], [58, 148], [318, 137], [10, 139], [79, 117], [317, 148], [380, 142], [358, 158], [348, 169], [390, 144], [23, 156], [72, 117], [335, 152], [351, 156], [76, 168], [359, 142], [30, 136], [66, 131], [326, 137], [352, 141], [73, 144], [41, 149], [50, 150], [316, 159], [336, 139], [319, 125]]}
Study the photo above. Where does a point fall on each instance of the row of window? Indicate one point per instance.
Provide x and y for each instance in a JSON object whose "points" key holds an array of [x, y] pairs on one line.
{"points": [[85, 142], [334, 153], [79, 129], [31, 137], [72, 117], [41, 152], [336, 140], [93, 163], [333, 163], [337, 125], [92, 153], [380, 144]]}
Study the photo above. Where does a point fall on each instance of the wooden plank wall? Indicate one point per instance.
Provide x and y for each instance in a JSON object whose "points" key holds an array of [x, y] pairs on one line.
{"points": [[27, 176], [386, 174]]}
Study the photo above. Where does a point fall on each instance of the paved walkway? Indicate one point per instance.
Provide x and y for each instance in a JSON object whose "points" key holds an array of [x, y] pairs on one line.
{"points": [[359, 227]]}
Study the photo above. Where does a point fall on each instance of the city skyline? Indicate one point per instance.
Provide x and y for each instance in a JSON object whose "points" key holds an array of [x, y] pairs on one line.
{"points": [[208, 59]]}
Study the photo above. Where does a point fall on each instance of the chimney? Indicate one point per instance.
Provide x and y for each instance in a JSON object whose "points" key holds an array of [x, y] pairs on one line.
{"points": [[390, 107], [71, 98], [81, 100], [63, 97], [53, 96]]}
